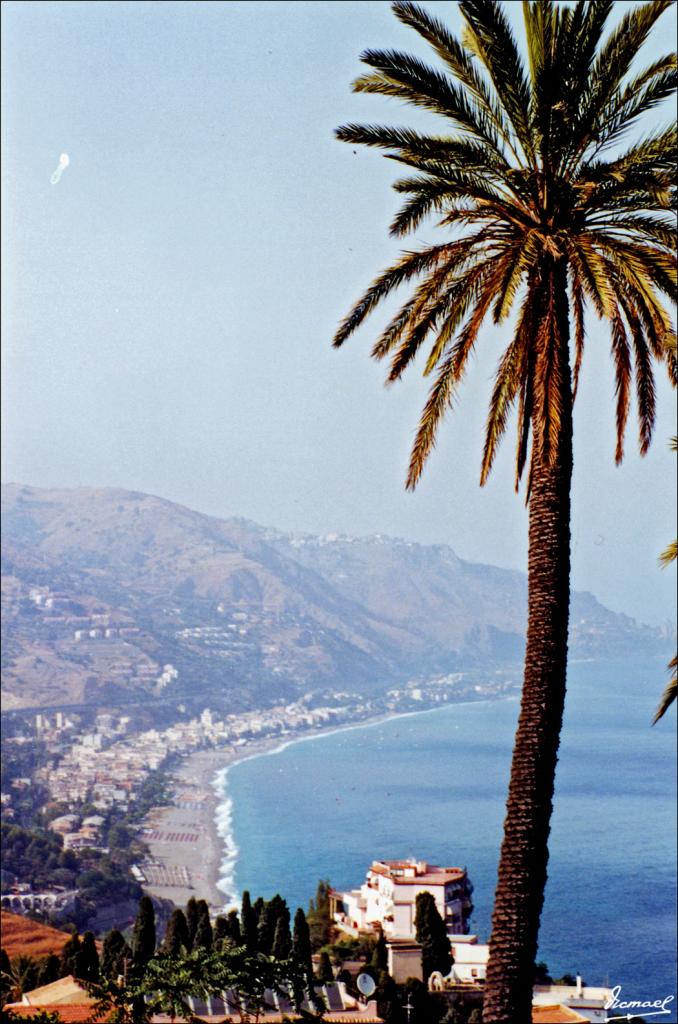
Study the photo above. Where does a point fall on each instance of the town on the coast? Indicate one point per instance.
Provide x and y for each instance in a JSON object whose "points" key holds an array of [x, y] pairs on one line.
{"points": [[106, 762], [406, 926], [95, 782]]}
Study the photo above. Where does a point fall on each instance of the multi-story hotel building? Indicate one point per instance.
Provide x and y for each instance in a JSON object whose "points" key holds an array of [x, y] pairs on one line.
{"points": [[387, 899]]}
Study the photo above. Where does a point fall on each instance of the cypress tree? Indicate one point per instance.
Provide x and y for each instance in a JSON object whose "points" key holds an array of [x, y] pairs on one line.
{"points": [[325, 972], [220, 931], [86, 966], [301, 943], [248, 919], [278, 906], [432, 936], [388, 1003], [176, 935], [233, 925], [266, 928], [380, 955], [191, 920], [143, 936], [259, 909], [69, 953], [48, 971], [114, 954], [280, 912], [5, 970], [143, 948], [282, 940], [203, 932], [319, 920]]}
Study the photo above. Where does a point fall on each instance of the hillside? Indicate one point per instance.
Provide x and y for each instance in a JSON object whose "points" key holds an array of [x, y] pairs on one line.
{"points": [[111, 596], [23, 937]]}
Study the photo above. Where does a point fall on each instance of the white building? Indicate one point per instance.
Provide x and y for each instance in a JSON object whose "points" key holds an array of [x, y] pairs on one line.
{"points": [[590, 1003], [387, 899], [470, 959], [404, 961], [470, 965]]}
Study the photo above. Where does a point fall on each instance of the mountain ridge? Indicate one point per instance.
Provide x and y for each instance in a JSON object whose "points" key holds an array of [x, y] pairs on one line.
{"points": [[108, 592]]}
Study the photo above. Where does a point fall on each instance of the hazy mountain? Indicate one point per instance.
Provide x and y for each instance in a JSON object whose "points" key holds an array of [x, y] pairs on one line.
{"points": [[110, 595]]}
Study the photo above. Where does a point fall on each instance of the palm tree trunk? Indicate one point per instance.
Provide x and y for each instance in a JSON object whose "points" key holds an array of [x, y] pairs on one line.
{"points": [[524, 854]]}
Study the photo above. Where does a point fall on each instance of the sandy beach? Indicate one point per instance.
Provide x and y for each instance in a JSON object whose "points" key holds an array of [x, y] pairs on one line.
{"points": [[185, 849]]}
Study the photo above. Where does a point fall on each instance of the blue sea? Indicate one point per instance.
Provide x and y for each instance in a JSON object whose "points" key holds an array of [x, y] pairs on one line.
{"points": [[433, 785]]}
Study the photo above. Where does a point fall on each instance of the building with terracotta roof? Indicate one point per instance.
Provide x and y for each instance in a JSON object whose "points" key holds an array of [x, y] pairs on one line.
{"points": [[589, 1002], [553, 1013], [68, 1014], [386, 901], [74, 1004], [64, 992]]}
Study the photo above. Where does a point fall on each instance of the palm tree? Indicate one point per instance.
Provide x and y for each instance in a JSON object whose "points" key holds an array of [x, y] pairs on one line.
{"points": [[546, 208]]}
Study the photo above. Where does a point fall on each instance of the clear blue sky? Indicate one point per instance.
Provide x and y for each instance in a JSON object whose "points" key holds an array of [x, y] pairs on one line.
{"points": [[169, 305]]}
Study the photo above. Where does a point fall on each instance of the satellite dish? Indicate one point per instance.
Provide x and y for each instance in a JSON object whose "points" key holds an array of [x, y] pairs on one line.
{"points": [[366, 985]]}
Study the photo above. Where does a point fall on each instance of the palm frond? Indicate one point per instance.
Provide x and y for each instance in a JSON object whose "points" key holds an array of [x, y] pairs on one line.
{"points": [[585, 32], [424, 201], [578, 308], [452, 183], [409, 265], [507, 385], [633, 225], [645, 391], [653, 153], [592, 271], [521, 261], [655, 267], [467, 154], [458, 60], [634, 101], [615, 57], [405, 77], [394, 331], [438, 402], [440, 396], [669, 694], [539, 21], [433, 303], [488, 35], [458, 255], [621, 356], [669, 554], [548, 408]]}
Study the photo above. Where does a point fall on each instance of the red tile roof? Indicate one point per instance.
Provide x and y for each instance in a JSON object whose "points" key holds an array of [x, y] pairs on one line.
{"points": [[68, 1013], [555, 1014], [431, 874]]}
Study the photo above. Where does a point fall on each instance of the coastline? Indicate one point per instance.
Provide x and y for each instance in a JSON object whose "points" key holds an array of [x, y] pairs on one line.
{"points": [[190, 840], [186, 850]]}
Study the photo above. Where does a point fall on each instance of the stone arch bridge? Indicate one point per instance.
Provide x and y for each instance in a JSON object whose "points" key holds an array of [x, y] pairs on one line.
{"points": [[42, 902]]}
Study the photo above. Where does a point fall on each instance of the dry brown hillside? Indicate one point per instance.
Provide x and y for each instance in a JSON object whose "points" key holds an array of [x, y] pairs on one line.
{"points": [[20, 936]]}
